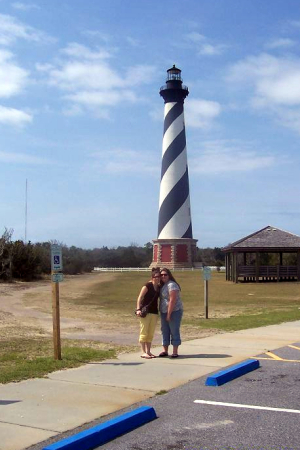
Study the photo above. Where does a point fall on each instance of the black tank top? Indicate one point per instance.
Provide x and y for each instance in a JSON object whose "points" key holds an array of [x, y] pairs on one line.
{"points": [[150, 294]]}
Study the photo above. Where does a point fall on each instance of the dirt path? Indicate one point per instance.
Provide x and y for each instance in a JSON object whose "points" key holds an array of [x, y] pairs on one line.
{"points": [[26, 311]]}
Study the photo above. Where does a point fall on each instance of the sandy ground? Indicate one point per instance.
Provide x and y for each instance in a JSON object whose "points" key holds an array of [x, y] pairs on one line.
{"points": [[26, 311]]}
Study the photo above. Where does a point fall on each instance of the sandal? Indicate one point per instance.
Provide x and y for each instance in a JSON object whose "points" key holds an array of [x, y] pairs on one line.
{"points": [[162, 354], [174, 355]]}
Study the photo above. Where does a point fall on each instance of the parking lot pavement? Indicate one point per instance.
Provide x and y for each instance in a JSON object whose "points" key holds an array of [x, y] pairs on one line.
{"points": [[231, 423], [43, 411]]}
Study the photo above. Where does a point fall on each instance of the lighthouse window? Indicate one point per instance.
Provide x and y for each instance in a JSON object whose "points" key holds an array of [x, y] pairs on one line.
{"points": [[174, 76]]}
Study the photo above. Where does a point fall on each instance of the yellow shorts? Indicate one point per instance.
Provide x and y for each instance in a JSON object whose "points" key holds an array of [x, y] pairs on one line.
{"points": [[147, 327]]}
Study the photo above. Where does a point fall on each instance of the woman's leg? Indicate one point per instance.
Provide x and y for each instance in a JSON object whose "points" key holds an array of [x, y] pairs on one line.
{"points": [[144, 327], [174, 324], [165, 331], [143, 347], [151, 329]]}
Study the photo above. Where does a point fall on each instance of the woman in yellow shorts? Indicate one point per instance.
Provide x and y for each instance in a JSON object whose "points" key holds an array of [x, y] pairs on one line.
{"points": [[148, 297]]}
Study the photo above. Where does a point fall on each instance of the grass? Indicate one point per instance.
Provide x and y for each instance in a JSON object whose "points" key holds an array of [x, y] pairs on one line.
{"points": [[21, 359], [231, 307], [246, 321], [162, 392]]}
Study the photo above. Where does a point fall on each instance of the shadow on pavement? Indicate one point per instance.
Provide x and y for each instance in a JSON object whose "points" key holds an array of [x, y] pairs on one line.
{"points": [[205, 356], [9, 402]]}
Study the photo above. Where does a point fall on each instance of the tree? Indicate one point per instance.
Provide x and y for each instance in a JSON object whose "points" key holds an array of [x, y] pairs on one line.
{"points": [[6, 255]]}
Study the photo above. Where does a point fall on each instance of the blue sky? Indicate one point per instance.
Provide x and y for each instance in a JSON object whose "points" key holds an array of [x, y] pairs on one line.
{"points": [[82, 120]]}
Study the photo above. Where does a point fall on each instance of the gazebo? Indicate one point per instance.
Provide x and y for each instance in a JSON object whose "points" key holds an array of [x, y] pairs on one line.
{"points": [[267, 255]]}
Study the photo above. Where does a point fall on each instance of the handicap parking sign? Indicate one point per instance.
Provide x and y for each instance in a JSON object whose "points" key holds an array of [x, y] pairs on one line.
{"points": [[56, 258]]}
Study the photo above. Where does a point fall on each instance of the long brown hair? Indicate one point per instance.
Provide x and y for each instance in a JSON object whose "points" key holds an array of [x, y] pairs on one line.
{"points": [[170, 276]]}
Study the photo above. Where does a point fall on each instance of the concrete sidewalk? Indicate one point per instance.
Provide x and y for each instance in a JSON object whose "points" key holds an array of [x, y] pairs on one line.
{"points": [[34, 410]]}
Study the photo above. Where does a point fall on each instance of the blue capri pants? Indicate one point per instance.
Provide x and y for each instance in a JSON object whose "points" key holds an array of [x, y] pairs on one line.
{"points": [[171, 330]]}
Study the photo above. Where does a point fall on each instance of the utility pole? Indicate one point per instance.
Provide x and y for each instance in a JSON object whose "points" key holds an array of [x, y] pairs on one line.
{"points": [[26, 187]]}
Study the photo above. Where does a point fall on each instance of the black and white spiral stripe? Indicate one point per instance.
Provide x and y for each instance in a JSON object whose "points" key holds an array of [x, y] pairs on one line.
{"points": [[174, 201]]}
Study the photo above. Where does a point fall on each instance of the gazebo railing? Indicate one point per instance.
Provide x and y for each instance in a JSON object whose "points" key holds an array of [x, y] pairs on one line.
{"points": [[268, 271]]}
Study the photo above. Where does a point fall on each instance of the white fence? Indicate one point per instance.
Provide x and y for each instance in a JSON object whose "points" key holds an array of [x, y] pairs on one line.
{"points": [[147, 269]]}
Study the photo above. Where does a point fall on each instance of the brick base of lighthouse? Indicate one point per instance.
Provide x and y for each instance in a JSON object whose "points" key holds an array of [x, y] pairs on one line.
{"points": [[174, 253]]}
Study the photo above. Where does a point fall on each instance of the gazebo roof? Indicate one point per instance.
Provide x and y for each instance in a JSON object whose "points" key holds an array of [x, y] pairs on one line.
{"points": [[269, 238]]}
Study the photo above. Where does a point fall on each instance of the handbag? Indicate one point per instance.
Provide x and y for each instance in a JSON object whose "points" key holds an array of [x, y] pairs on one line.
{"points": [[145, 309]]}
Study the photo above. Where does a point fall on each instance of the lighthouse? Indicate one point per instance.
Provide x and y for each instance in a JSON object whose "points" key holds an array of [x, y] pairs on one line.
{"points": [[174, 246]]}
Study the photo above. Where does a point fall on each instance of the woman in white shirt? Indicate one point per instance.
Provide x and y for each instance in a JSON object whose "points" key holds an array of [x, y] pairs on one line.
{"points": [[171, 310]]}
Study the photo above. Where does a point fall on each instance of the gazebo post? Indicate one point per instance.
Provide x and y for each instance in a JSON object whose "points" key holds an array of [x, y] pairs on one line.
{"points": [[226, 265], [298, 265], [257, 264], [236, 278]]}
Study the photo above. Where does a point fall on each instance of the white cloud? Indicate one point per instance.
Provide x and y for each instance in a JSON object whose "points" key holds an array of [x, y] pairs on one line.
{"points": [[140, 74], [123, 161], [24, 6], [96, 34], [211, 50], [281, 43], [200, 113], [20, 158], [107, 98], [218, 157], [15, 117], [11, 29], [12, 77], [273, 85], [195, 37], [204, 46], [76, 50], [275, 80], [133, 42], [85, 75], [90, 80]]}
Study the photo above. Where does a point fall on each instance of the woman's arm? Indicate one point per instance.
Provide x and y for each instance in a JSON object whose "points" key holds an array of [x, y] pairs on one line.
{"points": [[143, 292], [172, 301]]}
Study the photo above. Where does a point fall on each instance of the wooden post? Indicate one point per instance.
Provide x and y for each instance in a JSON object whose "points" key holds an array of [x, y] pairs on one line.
{"points": [[206, 299], [235, 268], [56, 320], [257, 263]]}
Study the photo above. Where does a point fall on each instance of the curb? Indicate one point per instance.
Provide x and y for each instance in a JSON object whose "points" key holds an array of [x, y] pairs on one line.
{"points": [[232, 372], [100, 434]]}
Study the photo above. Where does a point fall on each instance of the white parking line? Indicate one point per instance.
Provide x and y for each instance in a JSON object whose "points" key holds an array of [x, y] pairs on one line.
{"points": [[237, 405]]}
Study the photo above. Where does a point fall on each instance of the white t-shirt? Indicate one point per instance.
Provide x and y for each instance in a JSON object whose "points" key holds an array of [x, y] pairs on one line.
{"points": [[165, 297]]}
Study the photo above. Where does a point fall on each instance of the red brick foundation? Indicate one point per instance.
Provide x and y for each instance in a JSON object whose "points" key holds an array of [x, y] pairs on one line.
{"points": [[174, 253]]}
